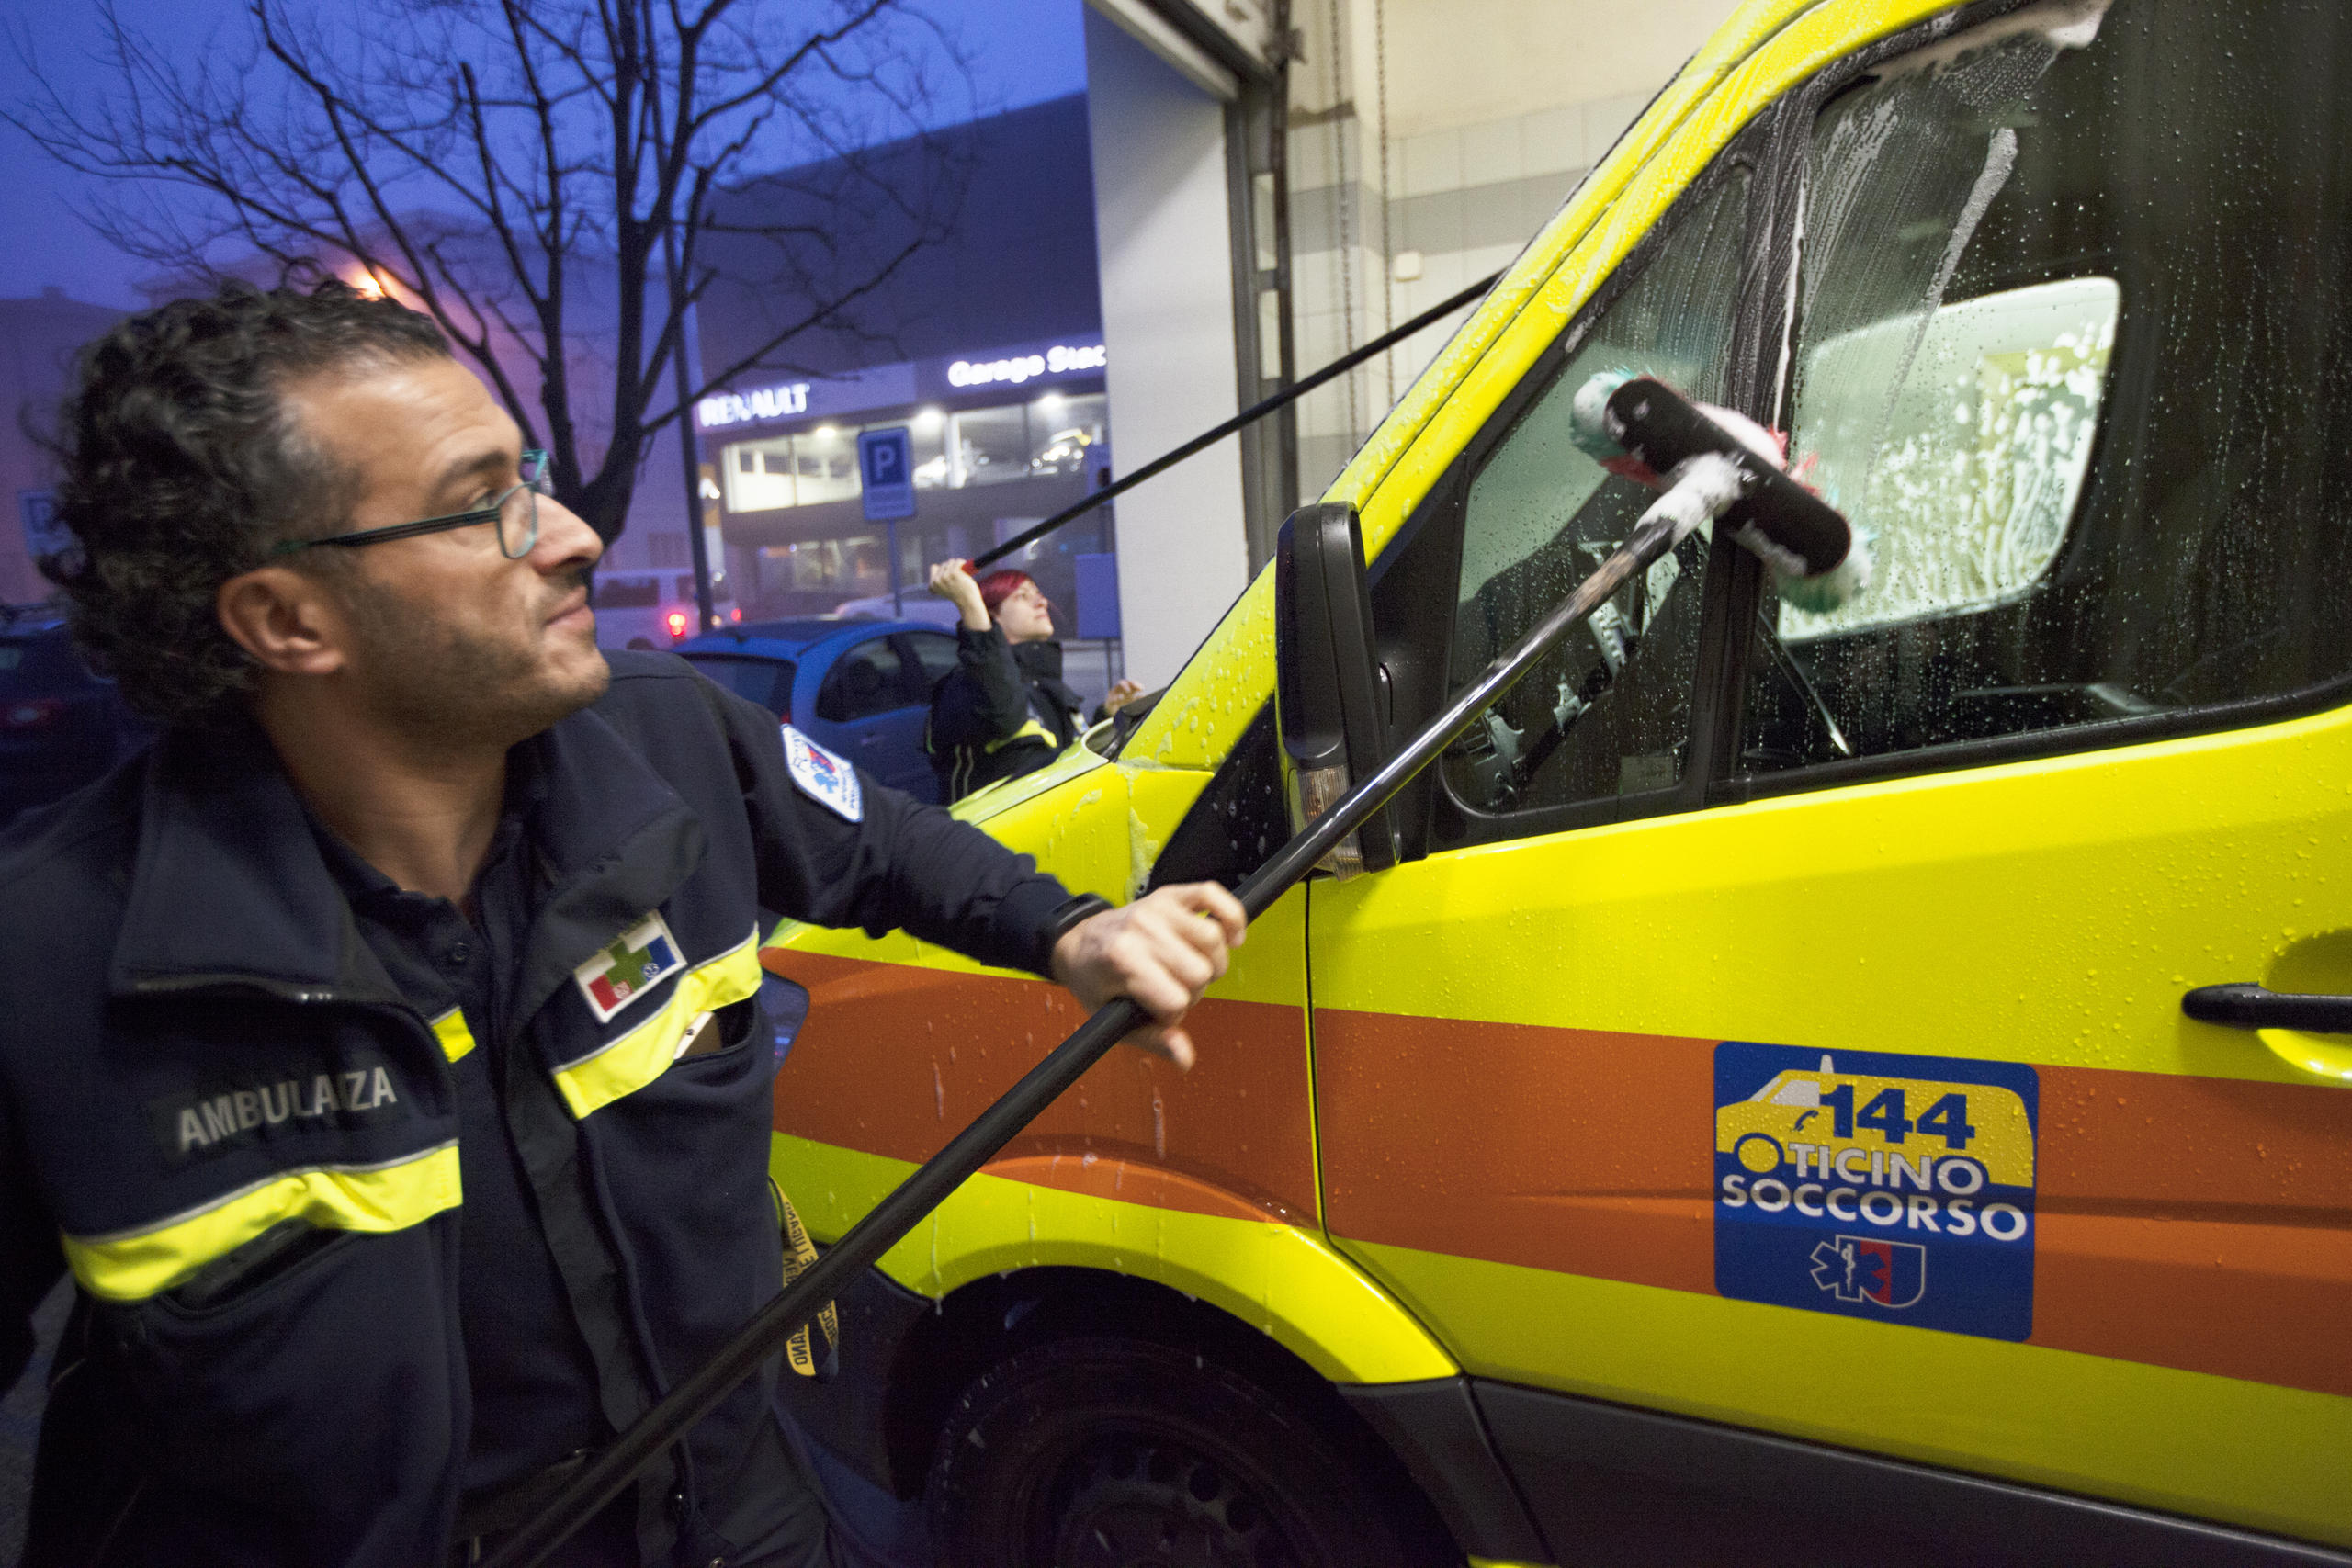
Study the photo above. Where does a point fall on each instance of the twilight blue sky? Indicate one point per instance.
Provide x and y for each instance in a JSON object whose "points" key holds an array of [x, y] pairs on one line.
{"points": [[1022, 51]]}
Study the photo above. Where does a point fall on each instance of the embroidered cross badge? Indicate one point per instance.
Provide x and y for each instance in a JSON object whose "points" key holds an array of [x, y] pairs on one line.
{"points": [[643, 957]]}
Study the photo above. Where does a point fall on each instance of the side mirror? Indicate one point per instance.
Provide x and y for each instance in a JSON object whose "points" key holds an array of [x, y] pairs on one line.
{"points": [[1326, 690]]}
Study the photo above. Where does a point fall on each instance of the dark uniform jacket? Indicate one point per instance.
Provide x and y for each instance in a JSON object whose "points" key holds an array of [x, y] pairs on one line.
{"points": [[1001, 712], [220, 1113]]}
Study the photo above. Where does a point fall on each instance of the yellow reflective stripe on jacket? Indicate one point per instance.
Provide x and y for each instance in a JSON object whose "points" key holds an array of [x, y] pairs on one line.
{"points": [[645, 1053], [1032, 730], [451, 1031], [130, 1265]]}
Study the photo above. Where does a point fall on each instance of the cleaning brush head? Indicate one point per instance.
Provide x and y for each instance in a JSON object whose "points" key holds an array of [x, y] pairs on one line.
{"points": [[1835, 588], [1589, 414], [1820, 561]]}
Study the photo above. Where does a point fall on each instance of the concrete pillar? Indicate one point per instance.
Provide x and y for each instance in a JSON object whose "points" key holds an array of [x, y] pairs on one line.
{"points": [[1163, 230]]}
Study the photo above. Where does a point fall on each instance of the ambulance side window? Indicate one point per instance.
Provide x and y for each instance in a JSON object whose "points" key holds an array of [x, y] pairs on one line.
{"points": [[1608, 714], [2075, 345]]}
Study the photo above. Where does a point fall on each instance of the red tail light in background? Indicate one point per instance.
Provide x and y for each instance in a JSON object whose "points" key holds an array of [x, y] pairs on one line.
{"points": [[30, 713], [736, 613], [676, 622]]}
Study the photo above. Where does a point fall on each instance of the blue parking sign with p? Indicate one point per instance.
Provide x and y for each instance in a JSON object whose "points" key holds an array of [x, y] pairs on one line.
{"points": [[886, 471]]}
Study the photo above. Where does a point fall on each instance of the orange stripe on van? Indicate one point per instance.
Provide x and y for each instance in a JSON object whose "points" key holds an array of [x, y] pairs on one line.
{"points": [[2198, 1223], [2203, 1223], [895, 1059], [1570, 1149]]}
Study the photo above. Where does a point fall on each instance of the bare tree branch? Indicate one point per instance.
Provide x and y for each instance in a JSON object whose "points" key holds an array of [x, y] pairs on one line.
{"points": [[511, 168]]}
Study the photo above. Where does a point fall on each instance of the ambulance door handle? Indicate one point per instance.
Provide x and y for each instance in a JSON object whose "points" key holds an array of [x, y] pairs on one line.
{"points": [[2255, 1007]]}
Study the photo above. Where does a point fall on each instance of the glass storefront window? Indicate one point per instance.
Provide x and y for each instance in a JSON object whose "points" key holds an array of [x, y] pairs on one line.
{"points": [[1061, 431], [759, 475], [1051, 435], [928, 431], [988, 447], [824, 464], [848, 569]]}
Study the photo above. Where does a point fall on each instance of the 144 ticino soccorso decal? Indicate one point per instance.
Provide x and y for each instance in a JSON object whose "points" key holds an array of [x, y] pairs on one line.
{"points": [[1877, 1186]]}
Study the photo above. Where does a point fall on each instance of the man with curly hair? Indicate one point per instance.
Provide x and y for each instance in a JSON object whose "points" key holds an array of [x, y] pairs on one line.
{"points": [[387, 1064]]}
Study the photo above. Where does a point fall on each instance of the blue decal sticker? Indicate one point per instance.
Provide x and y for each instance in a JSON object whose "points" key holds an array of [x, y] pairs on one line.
{"points": [[1898, 1189]]}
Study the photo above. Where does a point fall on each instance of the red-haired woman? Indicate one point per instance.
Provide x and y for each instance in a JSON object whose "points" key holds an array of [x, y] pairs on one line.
{"points": [[1004, 709]]}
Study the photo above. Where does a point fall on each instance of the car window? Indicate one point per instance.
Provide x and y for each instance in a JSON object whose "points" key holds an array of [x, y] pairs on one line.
{"points": [[1961, 437], [2075, 347], [862, 682], [935, 658], [767, 682], [1609, 712]]}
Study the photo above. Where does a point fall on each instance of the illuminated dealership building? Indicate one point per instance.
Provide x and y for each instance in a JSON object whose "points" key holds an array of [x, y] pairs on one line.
{"points": [[997, 379]]}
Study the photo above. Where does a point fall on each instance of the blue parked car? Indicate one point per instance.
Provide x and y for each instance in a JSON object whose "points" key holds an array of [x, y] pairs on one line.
{"points": [[860, 689]]}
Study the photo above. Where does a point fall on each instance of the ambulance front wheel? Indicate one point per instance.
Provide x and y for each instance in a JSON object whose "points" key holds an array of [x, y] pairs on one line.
{"points": [[1118, 1453]]}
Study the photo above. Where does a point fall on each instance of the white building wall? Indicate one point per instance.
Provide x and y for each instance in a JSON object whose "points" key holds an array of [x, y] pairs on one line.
{"points": [[1166, 259], [1434, 137], [1430, 140]]}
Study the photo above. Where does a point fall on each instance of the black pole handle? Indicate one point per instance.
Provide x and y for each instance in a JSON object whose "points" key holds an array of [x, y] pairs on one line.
{"points": [[602, 1477], [2247, 1005], [1249, 415]]}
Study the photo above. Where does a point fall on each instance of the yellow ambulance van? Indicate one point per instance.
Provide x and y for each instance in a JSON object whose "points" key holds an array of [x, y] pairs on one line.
{"points": [[1869, 1087]]}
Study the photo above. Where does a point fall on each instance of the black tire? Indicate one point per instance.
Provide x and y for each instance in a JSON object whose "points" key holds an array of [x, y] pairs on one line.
{"points": [[1122, 1453]]}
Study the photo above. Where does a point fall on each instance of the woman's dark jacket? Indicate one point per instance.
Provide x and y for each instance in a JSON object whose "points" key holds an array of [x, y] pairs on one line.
{"points": [[1001, 712]]}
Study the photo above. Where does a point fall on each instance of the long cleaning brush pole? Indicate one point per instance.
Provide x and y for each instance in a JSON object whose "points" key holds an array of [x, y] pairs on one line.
{"points": [[1668, 521]]}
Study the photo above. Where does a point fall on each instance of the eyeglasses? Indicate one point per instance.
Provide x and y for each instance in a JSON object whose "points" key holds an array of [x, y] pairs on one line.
{"points": [[515, 511]]}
